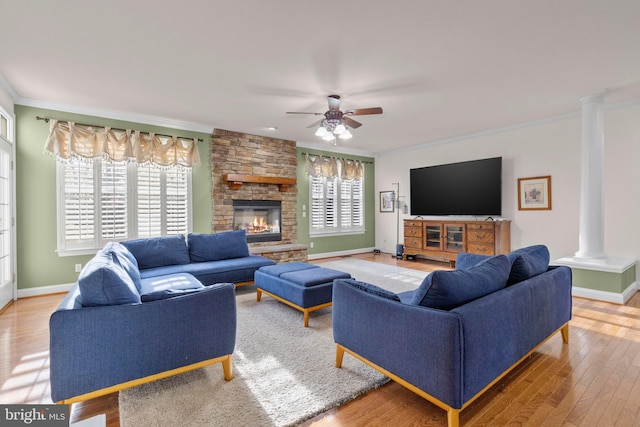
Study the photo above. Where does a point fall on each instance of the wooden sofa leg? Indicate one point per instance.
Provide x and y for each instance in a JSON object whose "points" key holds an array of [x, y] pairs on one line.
{"points": [[226, 368], [339, 355], [565, 333], [258, 294], [453, 417]]}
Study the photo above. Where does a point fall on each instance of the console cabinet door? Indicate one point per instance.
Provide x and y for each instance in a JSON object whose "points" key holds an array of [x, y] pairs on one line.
{"points": [[454, 238], [433, 237]]}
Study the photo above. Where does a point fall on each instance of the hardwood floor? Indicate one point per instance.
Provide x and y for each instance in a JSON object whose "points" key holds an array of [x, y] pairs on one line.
{"points": [[592, 381]]}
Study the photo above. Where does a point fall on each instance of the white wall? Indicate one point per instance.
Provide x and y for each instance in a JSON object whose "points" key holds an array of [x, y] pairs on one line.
{"points": [[548, 148]]}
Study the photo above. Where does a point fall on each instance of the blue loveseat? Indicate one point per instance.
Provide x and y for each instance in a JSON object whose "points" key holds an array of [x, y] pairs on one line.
{"points": [[147, 309], [461, 330]]}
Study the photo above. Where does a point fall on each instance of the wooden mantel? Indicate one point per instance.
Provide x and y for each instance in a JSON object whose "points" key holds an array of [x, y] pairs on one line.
{"points": [[235, 180]]}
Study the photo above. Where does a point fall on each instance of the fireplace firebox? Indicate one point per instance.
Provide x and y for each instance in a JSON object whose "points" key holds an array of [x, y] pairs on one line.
{"points": [[261, 219]]}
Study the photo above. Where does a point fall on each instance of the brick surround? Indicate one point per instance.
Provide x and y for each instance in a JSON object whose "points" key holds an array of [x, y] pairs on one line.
{"points": [[241, 153]]}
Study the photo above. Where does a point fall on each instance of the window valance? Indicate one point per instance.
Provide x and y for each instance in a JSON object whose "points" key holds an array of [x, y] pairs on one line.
{"points": [[68, 140], [331, 167]]}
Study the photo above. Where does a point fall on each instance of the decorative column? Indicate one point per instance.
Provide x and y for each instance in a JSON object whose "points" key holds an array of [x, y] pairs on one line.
{"points": [[594, 274], [591, 237]]}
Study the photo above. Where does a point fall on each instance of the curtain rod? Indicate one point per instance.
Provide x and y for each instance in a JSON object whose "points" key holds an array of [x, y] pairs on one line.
{"points": [[320, 155], [46, 120]]}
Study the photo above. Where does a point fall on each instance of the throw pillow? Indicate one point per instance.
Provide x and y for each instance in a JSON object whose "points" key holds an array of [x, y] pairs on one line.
{"points": [[126, 260], [525, 262], [103, 282], [159, 251], [528, 262], [370, 289], [218, 246], [445, 290]]}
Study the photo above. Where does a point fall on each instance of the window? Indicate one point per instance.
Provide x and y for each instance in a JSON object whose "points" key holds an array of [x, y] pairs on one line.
{"points": [[336, 205], [104, 201]]}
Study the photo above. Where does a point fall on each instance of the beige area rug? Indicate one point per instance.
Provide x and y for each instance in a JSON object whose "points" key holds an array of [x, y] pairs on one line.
{"points": [[283, 372]]}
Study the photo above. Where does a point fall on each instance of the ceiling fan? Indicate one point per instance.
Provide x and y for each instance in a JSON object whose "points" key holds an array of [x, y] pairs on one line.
{"points": [[336, 122]]}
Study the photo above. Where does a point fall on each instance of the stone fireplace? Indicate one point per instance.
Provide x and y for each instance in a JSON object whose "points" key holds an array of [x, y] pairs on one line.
{"points": [[252, 168]]}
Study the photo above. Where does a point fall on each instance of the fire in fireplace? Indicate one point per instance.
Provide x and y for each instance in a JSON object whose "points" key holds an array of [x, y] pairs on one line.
{"points": [[260, 218]]}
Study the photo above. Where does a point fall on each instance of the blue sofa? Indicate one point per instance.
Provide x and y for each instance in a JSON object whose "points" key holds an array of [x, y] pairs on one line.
{"points": [[140, 311], [459, 332]]}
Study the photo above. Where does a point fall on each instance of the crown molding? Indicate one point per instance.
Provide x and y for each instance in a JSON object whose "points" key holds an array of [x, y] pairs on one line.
{"points": [[8, 88], [115, 115], [607, 107]]}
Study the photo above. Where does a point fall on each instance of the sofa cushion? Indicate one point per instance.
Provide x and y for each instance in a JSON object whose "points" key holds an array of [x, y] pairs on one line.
{"points": [[465, 260], [172, 285], [528, 262], [314, 276], [176, 281], [370, 289], [103, 281], [525, 262], [218, 246], [445, 290], [126, 260], [159, 251], [169, 293], [287, 267]]}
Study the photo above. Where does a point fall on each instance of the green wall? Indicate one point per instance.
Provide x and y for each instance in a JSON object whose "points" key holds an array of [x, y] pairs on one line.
{"points": [[347, 242], [38, 263]]}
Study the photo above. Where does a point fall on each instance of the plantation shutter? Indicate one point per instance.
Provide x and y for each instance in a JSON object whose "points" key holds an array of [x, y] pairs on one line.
{"points": [[79, 202], [317, 202], [113, 198], [331, 204], [357, 202], [149, 202], [177, 182], [345, 204]]}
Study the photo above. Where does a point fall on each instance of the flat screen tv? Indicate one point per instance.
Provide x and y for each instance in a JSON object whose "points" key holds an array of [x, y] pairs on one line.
{"points": [[465, 188]]}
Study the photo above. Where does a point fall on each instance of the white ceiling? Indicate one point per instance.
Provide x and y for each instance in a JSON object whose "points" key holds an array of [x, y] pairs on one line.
{"points": [[439, 69]]}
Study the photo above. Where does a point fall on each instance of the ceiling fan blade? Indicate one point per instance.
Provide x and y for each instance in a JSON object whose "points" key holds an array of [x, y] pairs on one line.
{"points": [[297, 112], [363, 111], [315, 124], [351, 123]]}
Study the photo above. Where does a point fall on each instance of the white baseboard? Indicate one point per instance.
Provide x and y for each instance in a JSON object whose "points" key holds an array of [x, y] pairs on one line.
{"points": [[605, 295], [340, 253], [44, 290]]}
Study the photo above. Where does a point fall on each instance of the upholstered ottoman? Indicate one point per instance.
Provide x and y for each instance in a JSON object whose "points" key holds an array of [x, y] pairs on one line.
{"points": [[303, 286]]}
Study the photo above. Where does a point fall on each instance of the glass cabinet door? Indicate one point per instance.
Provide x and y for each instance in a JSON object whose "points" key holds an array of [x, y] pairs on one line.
{"points": [[433, 237], [454, 237]]}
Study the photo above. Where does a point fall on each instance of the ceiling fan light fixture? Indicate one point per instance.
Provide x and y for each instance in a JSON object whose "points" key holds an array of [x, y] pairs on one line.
{"points": [[321, 131], [336, 123], [346, 134], [328, 136]]}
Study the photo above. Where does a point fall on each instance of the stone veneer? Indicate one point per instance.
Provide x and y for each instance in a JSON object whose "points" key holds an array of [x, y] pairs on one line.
{"points": [[241, 153]]}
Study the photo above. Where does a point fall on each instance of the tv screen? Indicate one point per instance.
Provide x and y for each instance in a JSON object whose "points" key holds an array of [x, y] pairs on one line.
{"points": [[465, 188]]}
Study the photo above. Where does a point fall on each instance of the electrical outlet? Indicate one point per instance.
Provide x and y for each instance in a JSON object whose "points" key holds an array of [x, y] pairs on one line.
{"points": [[78, 268], [311, 245]]}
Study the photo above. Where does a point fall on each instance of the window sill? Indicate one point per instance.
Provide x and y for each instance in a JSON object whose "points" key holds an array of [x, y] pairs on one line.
{"points": [[336, 233], [77, 252]]}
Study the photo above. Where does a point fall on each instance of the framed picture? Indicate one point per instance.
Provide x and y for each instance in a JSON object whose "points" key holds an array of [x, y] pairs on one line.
{"points": [[387, 201], [534, 193]]}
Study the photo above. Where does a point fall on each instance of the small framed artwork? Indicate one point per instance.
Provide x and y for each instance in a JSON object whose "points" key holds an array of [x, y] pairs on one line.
{"points": [[534, 193], [387, 201]]}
